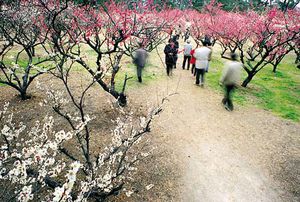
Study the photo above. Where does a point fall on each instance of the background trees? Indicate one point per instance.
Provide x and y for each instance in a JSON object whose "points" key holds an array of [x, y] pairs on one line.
{"points": [[20, 35], [261, 39], [55, 36]]}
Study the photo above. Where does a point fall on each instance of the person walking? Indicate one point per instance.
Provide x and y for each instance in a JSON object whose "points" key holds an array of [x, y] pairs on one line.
{"points": [[176, 45], [170, 53], [187, 54], [140, 60], [187, 31], [230, 79], [203, 56], [208, 42], [178, 31]]}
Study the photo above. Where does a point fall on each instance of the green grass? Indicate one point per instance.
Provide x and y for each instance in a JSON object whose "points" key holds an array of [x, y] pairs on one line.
{"points": [[280, 92], [277, 92], [150, 73]]}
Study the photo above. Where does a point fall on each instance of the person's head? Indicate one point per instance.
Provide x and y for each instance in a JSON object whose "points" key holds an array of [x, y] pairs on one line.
{"points": [[171, 41], [233, 56], [188, 41], [206, 43]]}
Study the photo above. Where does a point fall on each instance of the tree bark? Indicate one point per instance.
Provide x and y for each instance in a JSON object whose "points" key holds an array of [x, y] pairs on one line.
{"points": [[248, 79], [23, 94], [274, 68]]}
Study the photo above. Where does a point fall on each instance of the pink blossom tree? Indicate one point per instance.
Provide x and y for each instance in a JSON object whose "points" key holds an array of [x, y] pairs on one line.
{"points": [[269, 42], [76, 29]]}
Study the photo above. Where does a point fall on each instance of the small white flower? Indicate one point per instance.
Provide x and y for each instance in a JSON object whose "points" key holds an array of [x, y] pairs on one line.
{"points": [[144, 154], [129, 193], [143, 122], [150, 186]]}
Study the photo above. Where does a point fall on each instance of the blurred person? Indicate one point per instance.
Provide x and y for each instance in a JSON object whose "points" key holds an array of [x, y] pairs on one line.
{"points": [[208, 41], [203, 56], [176, 44], [187, 54], [230, 79], [186, 34], [178, 31], [140, 58], [170, 53]]}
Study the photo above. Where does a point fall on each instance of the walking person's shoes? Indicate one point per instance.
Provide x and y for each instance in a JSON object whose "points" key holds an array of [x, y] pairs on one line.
{"points": [[228, 108]]}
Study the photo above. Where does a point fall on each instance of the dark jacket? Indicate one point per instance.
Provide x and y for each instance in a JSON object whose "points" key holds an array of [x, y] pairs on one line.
{"points": [[170, 54], [140, 57]]}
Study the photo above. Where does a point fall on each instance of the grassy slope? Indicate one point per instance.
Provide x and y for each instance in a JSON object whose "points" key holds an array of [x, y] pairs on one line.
{"points": [[278, 92]]}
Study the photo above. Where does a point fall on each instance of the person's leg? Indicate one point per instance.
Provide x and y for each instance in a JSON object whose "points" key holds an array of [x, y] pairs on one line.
{"points": [[193, 68], [139, 73], [197, 76], [168, 68], [226, 95], [229, 94], [202, 72], [194, 65], [189, 61], [184, 61], [175, 61], [207, 67]]}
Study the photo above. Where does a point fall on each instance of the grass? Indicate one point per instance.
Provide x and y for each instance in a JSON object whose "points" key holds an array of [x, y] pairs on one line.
{"points": [[150, 73], [277, 92], [280, 91]]}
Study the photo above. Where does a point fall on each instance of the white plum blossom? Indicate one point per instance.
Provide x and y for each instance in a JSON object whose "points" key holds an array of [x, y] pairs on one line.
{"points": [[143, 122], [129, 193], [150, 186], [63, 193], [37, 155], [26, 195]]}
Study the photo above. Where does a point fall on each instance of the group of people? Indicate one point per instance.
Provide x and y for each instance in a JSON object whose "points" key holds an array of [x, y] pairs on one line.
{"points": [[199, 58]]}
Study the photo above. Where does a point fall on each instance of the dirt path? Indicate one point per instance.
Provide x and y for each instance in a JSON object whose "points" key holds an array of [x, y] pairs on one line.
{"points": [[204, 153], [245, 155]]}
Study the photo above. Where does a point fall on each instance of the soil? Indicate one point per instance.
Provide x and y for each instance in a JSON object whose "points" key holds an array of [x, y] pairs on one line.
{"points": [[201, 151], [211, 154]]}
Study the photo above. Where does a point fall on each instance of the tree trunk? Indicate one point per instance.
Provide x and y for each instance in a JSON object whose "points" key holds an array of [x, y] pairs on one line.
{"points": [[274, 68], [248, 79], [23, 94], [297, 61]]}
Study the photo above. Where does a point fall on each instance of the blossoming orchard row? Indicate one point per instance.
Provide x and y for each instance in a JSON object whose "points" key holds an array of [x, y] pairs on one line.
{"points": [[51, 36]]}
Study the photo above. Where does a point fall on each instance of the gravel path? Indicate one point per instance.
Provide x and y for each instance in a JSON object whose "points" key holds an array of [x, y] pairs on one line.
{"points": [[245, 155]]}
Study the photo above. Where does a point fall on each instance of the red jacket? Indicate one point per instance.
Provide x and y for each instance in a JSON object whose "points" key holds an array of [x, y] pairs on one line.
{"points": [[193, 59]]}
